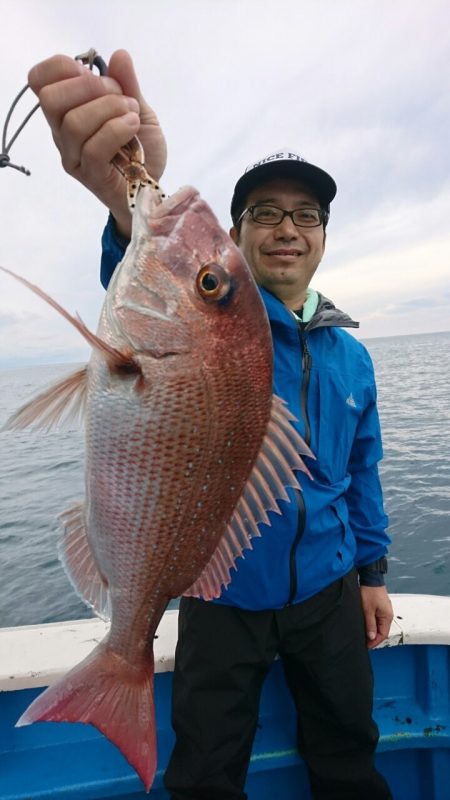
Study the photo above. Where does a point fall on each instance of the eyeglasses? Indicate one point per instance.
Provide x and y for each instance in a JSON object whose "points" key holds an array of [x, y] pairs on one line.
{"points": [[272, 215]]}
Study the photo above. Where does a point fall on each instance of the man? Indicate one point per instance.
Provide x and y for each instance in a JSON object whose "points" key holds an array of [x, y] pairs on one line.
{"points": [[297, 592]]}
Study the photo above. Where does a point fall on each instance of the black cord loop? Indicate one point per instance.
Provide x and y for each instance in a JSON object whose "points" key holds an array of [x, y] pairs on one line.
{"points": [[91, 58]]}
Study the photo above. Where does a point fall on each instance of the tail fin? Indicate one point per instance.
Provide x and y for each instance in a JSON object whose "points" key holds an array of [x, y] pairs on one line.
{"points": [[103, 690]]}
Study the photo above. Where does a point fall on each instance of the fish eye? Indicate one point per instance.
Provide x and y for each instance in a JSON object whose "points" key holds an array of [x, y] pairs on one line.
{"points": [[209, 282], [213, 282]]}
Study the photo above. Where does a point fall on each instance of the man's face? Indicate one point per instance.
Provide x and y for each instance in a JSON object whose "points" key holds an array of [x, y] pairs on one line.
{"points": [[283, 258]]}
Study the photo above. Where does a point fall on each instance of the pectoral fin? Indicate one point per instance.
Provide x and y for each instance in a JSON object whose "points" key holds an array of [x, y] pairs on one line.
{"points": [[61, 403]]}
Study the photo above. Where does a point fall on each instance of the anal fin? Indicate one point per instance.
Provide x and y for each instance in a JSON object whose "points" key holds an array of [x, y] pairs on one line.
{"points": [[272, 471], [78, 560]]}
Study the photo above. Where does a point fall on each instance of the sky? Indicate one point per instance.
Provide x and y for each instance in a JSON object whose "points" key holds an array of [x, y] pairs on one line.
{"points": [[358, 87]]}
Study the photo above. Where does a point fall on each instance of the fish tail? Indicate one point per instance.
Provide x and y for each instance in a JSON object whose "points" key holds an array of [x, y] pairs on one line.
{"points": [[103, 690]]}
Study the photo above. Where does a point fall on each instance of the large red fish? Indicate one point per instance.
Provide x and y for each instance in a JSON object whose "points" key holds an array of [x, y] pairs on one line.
{"points": [[186, 450]]}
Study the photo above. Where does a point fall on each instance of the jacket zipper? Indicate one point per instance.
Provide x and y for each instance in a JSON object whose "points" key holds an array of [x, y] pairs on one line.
{"points": [[306, 365]]}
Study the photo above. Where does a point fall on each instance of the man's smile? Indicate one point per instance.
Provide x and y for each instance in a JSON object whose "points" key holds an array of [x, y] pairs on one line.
{"points": [[284, 251]]}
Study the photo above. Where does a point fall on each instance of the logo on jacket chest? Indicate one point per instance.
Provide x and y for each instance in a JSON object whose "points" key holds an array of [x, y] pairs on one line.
{"points": [[351, 401]]}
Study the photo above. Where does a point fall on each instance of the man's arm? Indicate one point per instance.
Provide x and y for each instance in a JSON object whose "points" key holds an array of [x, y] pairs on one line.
{"points": [[91, 117], [369, 521], [113, 250]]}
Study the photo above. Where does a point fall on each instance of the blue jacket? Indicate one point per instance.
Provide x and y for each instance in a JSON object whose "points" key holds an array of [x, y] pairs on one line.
{"points": [[337, 521]]}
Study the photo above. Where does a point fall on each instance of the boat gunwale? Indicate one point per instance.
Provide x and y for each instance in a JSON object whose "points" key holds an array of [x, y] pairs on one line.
{"points": [[38, 655]]}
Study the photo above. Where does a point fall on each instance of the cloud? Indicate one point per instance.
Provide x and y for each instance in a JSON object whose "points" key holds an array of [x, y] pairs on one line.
{"points": [[359, 88], [381, 288], [415, 304], [10, 319], [410, 305], [389, 227]]}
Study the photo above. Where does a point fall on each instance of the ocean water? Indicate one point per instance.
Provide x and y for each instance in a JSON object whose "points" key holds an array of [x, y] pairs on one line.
{"points": [[42, 474]]}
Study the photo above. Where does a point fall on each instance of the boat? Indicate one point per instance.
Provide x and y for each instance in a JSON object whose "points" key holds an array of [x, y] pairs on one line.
{"points": [[74, 761]]}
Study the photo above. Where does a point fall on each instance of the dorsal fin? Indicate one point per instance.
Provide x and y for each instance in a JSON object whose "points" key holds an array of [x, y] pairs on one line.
{"points": [[61, 403], [110, 353], [271, 473]]}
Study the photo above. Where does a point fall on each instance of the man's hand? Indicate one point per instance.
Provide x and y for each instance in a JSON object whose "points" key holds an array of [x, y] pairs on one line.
{"points": [[378, 614], [91, 117]]}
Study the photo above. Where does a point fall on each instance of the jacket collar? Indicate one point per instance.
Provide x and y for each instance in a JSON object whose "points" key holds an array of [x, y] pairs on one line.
{"points": [[327, 315]]}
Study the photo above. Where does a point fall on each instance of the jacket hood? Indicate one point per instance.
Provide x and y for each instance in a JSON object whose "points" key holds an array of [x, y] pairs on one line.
{"points": [[326, 314]]}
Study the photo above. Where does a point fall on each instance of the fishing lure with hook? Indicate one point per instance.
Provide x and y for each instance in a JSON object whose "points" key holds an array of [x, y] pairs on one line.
{"points": [[129, 160]]}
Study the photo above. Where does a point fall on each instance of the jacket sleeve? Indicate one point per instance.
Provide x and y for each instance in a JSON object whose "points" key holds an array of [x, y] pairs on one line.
{"points": [[113, 249], [364, 495]]}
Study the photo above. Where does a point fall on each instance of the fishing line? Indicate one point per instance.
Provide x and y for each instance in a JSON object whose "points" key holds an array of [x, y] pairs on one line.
{"points": [[91, 59]]}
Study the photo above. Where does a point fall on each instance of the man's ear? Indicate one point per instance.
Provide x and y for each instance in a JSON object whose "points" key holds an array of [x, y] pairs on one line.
{"points": [[234, 233]]}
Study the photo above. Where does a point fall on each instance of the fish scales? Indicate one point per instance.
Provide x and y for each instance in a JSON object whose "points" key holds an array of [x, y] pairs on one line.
{"points": [[186, 450]]}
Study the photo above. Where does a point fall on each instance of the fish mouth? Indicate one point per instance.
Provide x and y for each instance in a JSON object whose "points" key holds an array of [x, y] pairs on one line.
{"points": [[176, 205]]}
